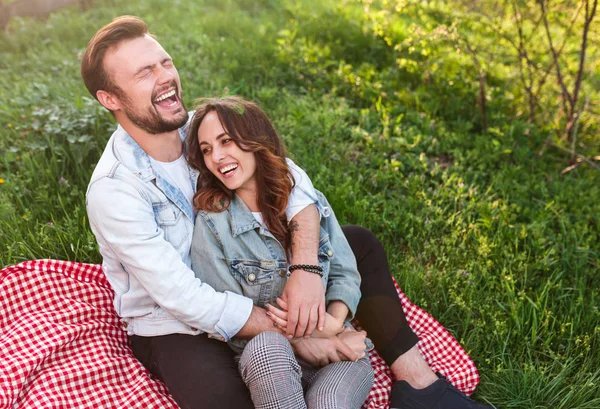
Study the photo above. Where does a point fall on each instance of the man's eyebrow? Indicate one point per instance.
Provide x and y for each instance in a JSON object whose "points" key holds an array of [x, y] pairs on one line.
{"points": [[143, 69], [149, 67]]}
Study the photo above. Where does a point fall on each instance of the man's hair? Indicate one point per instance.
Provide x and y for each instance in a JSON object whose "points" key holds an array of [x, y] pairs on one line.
{"points": [[120, 29]]}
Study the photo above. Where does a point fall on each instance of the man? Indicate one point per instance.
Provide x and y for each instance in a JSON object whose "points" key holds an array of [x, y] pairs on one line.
{"points": [[139, 203]]}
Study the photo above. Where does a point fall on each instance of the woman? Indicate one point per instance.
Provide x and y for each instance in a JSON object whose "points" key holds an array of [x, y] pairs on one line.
{"points": [[242, 238]]}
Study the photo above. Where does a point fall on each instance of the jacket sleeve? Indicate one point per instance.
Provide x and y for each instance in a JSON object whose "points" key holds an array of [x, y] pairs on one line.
{"points": [[343, 283], [122, 219]]}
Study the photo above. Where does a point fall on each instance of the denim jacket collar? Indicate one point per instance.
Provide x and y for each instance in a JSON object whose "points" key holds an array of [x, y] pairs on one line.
{"points": [[242, 219], [130, 154]]}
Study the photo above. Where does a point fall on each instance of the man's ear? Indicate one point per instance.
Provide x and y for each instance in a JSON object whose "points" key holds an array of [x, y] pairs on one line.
{"points": [[109, 100]]}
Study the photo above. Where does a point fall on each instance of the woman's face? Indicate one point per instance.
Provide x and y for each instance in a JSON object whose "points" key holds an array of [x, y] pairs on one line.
{"points": [[224, 159]]}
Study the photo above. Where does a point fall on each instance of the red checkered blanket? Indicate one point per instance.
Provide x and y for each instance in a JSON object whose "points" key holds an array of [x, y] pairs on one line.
{"points": [[62, 345]]}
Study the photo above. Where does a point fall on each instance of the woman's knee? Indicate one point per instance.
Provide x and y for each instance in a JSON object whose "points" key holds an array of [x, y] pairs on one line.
{"points": [[267, 350], [342, 384]]}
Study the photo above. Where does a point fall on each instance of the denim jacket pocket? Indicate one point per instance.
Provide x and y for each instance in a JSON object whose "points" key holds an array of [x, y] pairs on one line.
{"points": [[259, 280], [169, 219]]}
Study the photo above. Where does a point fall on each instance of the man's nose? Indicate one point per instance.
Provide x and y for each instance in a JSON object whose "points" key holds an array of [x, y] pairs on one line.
{"points": [[165, 76]]}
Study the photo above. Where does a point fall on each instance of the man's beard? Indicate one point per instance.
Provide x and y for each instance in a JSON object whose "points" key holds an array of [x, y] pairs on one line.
{"points": [[150, 120]]}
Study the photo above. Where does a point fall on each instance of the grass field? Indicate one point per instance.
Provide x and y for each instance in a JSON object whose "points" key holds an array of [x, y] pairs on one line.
{"points": [[481, 231]]}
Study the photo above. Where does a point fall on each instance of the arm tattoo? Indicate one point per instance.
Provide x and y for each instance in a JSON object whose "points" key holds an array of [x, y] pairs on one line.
{"points": [[294, 227]]}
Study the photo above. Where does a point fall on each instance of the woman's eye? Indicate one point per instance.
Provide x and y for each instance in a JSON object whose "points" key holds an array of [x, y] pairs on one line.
{"points": [[205, 151], [226, 141]]}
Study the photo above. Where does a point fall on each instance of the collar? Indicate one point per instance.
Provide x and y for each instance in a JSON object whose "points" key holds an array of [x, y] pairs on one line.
{"points": [[242, 219], [128, 152]]}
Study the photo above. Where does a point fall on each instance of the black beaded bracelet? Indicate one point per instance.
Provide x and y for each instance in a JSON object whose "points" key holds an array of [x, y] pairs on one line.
{"points": [[316, 269]]}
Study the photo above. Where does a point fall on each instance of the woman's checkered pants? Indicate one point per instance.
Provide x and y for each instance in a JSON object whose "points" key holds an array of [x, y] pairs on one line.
{"points": [[278, 381]]}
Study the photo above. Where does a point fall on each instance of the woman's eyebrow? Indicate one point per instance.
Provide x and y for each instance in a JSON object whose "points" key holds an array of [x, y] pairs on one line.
{"points": [[218, 137]]}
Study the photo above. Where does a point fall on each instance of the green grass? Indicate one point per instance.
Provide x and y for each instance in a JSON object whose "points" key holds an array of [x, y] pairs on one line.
{"points": [[480, 231]]}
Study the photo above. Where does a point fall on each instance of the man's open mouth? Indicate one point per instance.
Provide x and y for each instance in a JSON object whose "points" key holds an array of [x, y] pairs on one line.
{"points": [[168, 99]]}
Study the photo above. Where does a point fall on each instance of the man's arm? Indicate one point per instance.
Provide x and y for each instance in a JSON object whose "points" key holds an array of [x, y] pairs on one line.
{"points": [[124, 224], [257, 323], [346, 346], [304, 291]]}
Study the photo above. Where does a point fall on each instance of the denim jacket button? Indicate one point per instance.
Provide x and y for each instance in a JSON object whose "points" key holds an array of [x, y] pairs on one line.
{"points": [[251, 277], [329, 253]]}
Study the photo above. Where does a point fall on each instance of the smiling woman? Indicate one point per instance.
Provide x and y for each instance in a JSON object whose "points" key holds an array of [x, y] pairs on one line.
{"points": [[228, 141]]}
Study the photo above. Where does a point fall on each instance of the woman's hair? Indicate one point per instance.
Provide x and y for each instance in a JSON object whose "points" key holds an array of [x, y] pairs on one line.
{"points": [[251, 130]]}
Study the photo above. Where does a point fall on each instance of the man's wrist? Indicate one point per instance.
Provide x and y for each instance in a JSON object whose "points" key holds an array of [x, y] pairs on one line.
{"points": [[309, 268], [257, 322]]}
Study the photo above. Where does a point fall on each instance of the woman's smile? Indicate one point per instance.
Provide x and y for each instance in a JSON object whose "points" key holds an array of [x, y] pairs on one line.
{"points": [[233, 166]]}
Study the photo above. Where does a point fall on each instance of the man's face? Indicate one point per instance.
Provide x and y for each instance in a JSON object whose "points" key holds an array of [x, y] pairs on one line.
{"points": [[147, 85]]}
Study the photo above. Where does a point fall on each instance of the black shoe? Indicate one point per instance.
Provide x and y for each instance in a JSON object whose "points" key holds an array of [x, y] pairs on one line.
{"points": [[439, 395]]}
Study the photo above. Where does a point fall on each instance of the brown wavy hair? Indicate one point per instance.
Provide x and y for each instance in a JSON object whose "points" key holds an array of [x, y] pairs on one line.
{"points": [[252, 131]]}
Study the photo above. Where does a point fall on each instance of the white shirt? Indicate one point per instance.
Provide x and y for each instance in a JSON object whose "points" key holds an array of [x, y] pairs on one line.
{"points": [[178, 174]]}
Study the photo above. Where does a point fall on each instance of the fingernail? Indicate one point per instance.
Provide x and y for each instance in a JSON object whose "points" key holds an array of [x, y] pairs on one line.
{"points": [[268, 314], [290, 336], [267, 305], [320, 328]]}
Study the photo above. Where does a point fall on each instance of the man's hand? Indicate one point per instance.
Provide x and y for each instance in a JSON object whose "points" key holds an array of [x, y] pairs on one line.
{"points": [[355, 340], [319, 352], [304, 294]]}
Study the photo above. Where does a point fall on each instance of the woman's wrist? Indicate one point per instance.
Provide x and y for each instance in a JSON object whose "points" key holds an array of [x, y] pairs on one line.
{"points": [[333, 326]]}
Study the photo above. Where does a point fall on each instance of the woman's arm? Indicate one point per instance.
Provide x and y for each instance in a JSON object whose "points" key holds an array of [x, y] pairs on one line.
{"points": [[343, 283]]}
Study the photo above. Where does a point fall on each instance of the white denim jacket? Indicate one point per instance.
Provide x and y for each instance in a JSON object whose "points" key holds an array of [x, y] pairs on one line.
{"points": [[143, 226]]}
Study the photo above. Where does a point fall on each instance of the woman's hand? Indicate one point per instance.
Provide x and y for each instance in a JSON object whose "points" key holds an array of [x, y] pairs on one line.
{"points": [[279, 316]]}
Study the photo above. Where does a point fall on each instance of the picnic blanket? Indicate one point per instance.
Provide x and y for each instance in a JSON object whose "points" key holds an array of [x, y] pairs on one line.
{"points": [[62, 344]]}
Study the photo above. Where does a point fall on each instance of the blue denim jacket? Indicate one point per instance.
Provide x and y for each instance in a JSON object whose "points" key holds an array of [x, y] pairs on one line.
{"points": [[232, 251], [143, 225]]}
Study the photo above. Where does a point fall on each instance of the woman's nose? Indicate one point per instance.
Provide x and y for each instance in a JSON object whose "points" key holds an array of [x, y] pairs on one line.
{"points": [[218, 155]]}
